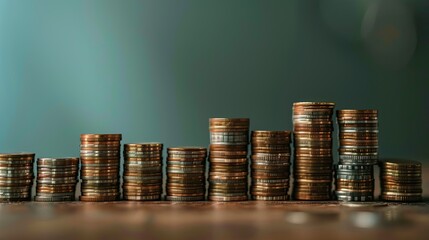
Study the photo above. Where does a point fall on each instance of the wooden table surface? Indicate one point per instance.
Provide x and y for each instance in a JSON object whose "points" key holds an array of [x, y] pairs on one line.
{"points": [[209, 220]]}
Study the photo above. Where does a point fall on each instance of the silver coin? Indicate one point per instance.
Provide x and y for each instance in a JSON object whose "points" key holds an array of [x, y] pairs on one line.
{"points": [[354, 177], [355, 198], [360, 130], [229, 141], [142, 163], [143, 153], [354, 167], [57, 182], [354, 193], [357, 157]]}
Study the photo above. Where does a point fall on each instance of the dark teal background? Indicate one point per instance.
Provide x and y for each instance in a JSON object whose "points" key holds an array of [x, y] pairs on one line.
{"points": [[157, 70]]}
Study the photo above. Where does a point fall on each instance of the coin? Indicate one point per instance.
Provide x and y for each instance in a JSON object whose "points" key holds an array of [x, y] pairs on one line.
{"points": [[185, 198], [228, 198], [85, 198], [100, 137], [142, 197]]}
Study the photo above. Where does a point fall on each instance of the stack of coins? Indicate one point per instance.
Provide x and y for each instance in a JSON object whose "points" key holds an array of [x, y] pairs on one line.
{"points": [[100, 156], [358, 136], [186, 178], [401, 180], [354, 183], [228, 173], [270, 166], [16, 176], [313, 162], [142, 171], [358, 152], [56, 179]]}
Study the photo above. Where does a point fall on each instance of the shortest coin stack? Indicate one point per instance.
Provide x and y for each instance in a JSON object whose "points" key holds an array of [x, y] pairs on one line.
{"points": [[354, 182], [401, 180], [16, 176], [142, 171], [186, 173], [56, 179], [270, 166]]}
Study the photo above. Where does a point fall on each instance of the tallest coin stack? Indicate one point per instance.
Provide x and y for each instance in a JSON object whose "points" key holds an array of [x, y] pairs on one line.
{"points": [[100, 155], [229, 138], [312, 168]]}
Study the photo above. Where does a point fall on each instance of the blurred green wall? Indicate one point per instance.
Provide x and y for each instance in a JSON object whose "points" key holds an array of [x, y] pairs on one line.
{"points": [[157, 70]]}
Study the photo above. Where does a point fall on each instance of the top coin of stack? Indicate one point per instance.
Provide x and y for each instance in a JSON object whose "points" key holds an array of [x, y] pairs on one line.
{"points": [[312, 168], [270, 165], [186, 170], [100, 155], [228, 171], [358, 136], [142, 171], [401, 180], [358, 151], [56, 179], [16, 176]]}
